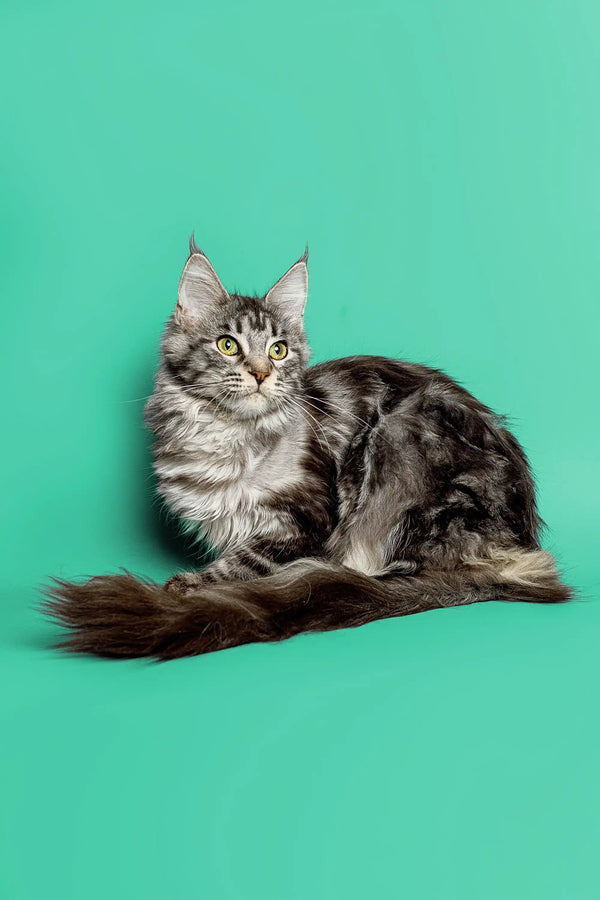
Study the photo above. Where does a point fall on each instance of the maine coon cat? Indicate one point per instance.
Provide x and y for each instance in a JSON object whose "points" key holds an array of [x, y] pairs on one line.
{"points": [[335, 494]]}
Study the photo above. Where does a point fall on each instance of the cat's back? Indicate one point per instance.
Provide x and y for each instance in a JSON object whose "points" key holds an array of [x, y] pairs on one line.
{"points": [[376, 379], [359, 391], [366, 368]]}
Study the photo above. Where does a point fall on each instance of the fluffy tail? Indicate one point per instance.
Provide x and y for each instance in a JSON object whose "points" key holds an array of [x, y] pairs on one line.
{"points": [[121, 616]]}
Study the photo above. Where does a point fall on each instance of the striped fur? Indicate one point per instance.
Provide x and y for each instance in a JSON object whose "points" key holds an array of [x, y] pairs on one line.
{"points": [[332, 494]]}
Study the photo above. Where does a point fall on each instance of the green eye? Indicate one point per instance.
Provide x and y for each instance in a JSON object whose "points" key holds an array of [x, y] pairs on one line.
{"points": [[278, 350], [228, 345]]}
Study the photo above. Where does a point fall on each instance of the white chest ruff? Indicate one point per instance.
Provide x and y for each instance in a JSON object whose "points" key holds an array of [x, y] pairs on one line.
{"points": [[219, 483]]}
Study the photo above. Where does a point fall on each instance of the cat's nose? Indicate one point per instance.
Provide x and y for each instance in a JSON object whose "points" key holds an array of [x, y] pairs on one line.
{"points": [[259, 375]]}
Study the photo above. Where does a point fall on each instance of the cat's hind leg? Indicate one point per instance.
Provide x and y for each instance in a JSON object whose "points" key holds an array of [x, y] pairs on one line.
{"points": [[383, 477]]}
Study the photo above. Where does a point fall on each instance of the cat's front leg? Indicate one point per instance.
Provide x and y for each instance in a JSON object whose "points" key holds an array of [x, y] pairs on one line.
{"points": [[184, 583], [244, 564]]}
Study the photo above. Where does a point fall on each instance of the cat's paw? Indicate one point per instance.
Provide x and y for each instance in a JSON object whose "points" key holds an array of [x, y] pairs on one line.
{"points": [[184, 583]]}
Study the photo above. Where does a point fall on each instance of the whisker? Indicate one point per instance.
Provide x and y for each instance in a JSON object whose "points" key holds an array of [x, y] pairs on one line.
{"points": [[310, 426], [368, 425], [180, 387], [296, 402]]}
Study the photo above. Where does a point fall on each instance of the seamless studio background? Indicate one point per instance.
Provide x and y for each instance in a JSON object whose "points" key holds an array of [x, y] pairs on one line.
{"points": [[441, 159]]}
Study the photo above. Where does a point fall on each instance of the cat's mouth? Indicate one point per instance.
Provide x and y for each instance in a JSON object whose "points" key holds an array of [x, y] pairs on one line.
{"points": [[257, 393], [254, 403]]}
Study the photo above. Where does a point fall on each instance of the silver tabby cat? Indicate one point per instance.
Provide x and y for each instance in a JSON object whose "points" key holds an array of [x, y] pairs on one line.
{"points": [[334, 494]]}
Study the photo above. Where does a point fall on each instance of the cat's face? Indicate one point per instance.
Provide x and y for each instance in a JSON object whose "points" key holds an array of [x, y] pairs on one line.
{"points": [[229, 352]]}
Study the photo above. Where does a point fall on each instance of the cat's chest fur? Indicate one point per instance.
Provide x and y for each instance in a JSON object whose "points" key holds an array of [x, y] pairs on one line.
{"points": [[221, 476]]}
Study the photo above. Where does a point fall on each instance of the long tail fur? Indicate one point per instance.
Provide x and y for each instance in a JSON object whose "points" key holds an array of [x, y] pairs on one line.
{"points": [[121, 616]]}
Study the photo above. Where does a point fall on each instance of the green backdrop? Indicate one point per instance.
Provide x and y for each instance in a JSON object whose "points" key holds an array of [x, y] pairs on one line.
{"points": [[442, 161]]}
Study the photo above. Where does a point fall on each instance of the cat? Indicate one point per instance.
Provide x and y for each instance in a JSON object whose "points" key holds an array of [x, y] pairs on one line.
{"points": [[334, 494]]}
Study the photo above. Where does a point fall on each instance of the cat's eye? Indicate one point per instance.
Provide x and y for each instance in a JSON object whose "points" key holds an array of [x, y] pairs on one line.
{"points": [[278, 350], [228, 345]]}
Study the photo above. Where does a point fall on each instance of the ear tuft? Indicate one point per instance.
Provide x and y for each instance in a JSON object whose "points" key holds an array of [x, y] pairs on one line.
{"points": [[199, 289], [288, 295], [194, 248]]}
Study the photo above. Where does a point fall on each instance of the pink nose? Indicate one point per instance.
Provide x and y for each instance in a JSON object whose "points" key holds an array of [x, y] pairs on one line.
{"points": [[260, 376]]}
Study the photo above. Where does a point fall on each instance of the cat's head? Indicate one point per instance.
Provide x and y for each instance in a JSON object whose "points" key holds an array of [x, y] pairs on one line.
{"points": [[243, 354]]}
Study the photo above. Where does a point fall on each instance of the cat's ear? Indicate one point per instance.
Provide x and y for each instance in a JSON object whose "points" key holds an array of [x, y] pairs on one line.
{"points": [[200, 289], [288, 295]]}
